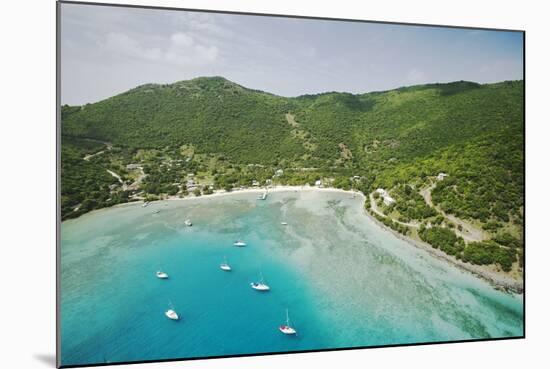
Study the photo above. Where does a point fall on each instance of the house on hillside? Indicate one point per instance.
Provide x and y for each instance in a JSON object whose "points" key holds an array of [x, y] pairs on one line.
{"points": [[388, 200], [279, 172], [190, 185], [133, 166], [441, 176], [381, 191], [255, 183], [319, 183]]}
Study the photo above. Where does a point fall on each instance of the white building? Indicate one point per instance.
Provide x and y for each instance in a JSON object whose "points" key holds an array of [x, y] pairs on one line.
{"points": [[279, 172], [255, 183], [381, 191], [319, 183], [133, 166], [388, 200], [441, 176]]}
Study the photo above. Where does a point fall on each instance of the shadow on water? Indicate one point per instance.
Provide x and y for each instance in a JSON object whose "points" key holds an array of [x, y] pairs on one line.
{"points": [[48, 359]]}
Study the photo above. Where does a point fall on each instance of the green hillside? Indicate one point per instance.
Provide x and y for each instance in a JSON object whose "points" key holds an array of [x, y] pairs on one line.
{"points": [[209, 133]]}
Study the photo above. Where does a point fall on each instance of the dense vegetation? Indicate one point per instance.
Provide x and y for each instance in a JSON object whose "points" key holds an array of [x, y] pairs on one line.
{"points": [[84, 184], [443, 239], [193, 137], [411, 205], [484, 253]]}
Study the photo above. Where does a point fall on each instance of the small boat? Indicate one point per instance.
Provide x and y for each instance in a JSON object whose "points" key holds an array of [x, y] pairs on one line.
{"points": [[162, 275], [145, 204], [188, 222], [239, 243], [286, 328], [157, 211], [171, 313], [263, 196], [284, 223], [224, 266], [260, 286]]}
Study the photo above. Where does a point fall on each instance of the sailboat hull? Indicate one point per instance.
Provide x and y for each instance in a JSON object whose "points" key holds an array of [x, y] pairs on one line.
{"points": [[172, 315], [260, 287], [285, 329]]}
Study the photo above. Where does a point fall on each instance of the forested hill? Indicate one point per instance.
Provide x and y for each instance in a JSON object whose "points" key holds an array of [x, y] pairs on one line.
{"points": [[213, 114], [226, 135], [218, 116]]}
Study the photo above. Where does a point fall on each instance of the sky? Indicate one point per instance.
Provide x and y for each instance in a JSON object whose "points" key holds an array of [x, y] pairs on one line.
{"points": [[108, 50]]}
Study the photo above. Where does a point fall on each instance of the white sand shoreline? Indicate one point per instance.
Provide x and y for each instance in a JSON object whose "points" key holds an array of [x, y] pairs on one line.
{"points": [[259, 190]]}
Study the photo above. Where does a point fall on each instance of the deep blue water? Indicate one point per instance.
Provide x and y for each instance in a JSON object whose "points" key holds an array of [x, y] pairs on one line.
{"points": [[345, 282]]}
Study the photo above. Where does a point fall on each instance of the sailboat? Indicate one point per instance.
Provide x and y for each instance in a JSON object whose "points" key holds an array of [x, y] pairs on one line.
{"points": [[224, 266], [263, 196], [162, 275], [188, 222], [171, 313], [260, 286], [286, 328], [239, 243]]}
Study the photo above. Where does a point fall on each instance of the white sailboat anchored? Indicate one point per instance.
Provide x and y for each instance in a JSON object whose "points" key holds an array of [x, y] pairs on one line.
{"points": [[162, 275], [188, 222], [263, 196], [224, 266], [261, 285], [287, 328], [284, 223], [239, 243], [171, 313]]}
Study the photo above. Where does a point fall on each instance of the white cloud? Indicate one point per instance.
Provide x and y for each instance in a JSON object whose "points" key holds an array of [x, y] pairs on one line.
{"points": [[181, 49], [121, 44], [185, 50], [181, 39]]}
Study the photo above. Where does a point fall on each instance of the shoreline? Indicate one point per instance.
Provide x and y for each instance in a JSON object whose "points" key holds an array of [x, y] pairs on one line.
{"points": [[497, 281], [259, 190]]}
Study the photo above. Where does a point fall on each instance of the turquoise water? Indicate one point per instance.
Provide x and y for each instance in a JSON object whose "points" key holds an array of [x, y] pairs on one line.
{"points": [[345, 281]]}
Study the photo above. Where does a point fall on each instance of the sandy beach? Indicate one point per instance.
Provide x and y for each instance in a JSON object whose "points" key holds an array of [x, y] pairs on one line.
{"points": [[260, 190]]}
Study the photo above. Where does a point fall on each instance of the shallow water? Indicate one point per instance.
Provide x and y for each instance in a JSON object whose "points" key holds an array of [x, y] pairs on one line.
{"points": [[345, 281]]}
